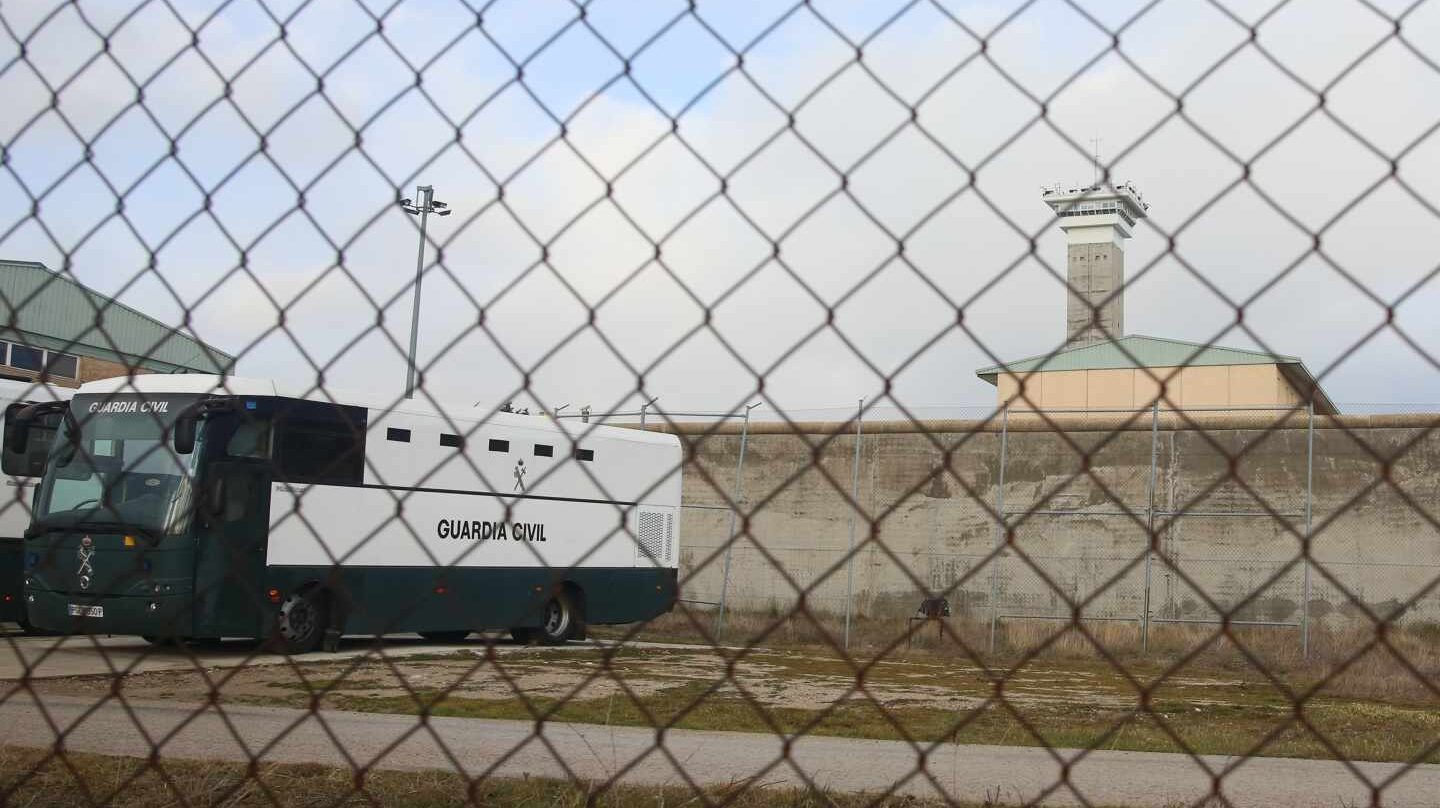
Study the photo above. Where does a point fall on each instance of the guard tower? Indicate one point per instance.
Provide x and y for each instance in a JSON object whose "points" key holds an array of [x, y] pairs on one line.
{"points": [[1096, 219]]}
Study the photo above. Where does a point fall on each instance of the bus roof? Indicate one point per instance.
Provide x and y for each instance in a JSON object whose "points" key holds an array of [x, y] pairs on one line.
{"points": [[200, 383]]}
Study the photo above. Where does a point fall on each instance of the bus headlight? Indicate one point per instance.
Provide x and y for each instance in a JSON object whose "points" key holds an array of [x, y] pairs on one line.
{"points": [[154, 607]]}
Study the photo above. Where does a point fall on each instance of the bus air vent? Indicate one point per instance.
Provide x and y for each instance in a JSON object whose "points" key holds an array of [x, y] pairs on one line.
{"points": [[652, 536], [669, 538]]}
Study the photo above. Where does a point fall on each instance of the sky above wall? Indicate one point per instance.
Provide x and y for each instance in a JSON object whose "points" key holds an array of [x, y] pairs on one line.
{"points": [[257, 181]]}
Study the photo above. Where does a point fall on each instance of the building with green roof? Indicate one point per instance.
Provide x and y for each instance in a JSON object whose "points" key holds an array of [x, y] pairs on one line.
{"points": [[53, 327], [1126, 374]]}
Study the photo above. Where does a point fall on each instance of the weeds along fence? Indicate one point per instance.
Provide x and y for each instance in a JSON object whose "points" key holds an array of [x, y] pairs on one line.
{"points": [[322, 410]]}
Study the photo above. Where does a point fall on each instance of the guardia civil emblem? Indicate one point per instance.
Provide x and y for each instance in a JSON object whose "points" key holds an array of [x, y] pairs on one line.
{"points": [[84, 554]]}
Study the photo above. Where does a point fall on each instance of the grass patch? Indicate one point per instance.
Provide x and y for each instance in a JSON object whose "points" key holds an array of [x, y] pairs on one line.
{"points": [[1356, 730], [33, 777]]}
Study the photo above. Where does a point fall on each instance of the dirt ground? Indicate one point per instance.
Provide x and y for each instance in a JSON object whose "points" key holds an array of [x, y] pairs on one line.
{"points": [[789, 680], [1060, 703]]}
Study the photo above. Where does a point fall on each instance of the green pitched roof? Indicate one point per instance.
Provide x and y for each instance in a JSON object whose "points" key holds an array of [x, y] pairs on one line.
{"points": [[50, 310], [1136, 351]]}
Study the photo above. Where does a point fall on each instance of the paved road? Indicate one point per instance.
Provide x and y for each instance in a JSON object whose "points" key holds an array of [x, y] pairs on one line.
{"points": [[511, 748], [51, 657]]}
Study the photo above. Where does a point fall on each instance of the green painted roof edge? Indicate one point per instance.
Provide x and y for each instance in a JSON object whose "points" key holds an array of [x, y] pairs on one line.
{"points": [[224, 362], [1047, 361]]}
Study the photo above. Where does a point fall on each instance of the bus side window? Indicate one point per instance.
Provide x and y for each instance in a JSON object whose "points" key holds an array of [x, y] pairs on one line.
{"points": [[42, 435], [324, 452], [250, 440]]}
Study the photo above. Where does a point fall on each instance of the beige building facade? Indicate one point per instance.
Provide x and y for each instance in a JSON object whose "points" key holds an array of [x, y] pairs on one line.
{"points": [[64, 369], [1130, 374], [1137, 388]]}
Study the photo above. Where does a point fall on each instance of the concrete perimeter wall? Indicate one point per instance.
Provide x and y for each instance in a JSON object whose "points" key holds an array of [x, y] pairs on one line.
{"points": [[927, 498]]}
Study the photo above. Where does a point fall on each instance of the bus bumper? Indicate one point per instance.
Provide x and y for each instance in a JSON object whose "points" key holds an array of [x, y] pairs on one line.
{"points": [[73, 613]]}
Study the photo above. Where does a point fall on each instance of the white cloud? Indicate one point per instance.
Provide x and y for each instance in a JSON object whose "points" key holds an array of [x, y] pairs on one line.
{"points": [[540, 312]]}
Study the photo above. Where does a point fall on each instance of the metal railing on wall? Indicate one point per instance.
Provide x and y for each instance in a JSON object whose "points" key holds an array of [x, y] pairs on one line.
{"points": [[1159, 524], [737, 492]]}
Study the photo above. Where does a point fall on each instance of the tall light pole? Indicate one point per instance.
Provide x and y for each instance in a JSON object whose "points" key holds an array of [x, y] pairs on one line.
{"points": [[423, 205]]}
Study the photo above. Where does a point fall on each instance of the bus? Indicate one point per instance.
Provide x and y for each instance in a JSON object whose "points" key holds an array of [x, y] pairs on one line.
{"points": [[21, 471], [192, 507]]}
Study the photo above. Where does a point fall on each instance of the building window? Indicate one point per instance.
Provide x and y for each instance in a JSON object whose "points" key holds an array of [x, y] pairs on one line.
{"points": [[452, 441], [497, 445], [543, 450], [63, 365], [36, 360], [585, 454], [400, 435], [27, 358]]}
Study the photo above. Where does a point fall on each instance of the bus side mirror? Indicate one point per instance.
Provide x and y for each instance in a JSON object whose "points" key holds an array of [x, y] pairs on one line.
{"points": [[184, 433], [17, 437], [17, 434]]}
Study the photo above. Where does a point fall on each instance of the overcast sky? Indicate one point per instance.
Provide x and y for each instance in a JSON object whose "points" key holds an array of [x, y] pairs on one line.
{"points": [[311, 218]]}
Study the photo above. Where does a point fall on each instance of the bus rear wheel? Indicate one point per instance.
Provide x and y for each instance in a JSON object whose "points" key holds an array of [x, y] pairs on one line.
{"points": [[562, 621], [300, 625]]}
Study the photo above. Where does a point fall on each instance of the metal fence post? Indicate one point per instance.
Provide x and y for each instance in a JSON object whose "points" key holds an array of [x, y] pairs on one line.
{"points": [[855, 496], [730, 542], [1000, 527], [1309, 498], [1150, 515]]}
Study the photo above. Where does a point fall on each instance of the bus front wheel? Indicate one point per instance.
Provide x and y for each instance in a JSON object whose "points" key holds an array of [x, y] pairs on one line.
{"points": [[300, 625]]}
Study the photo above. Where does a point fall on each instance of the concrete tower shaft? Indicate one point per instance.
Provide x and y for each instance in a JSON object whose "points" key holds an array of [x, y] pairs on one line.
{"points": [[1096, 219]]}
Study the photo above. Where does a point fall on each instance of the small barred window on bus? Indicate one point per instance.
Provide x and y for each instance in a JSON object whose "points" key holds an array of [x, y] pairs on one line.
{"points": [[398, 435], [544, 450], [585, 454], [451, 441], [497, 445]]}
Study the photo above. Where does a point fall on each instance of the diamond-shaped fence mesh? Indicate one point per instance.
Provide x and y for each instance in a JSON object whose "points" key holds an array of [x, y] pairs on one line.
{"points": [[539, 484]]}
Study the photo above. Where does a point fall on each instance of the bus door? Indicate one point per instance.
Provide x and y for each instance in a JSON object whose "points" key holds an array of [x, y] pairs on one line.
{"points": [[235, 512]]}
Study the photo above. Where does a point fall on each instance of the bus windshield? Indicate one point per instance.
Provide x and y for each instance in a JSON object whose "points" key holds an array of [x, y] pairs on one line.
{"points": [[112, 464]]}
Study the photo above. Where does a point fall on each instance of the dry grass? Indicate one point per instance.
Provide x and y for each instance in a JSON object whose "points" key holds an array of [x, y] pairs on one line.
{"points": [[31, 777], [1345, 656]]}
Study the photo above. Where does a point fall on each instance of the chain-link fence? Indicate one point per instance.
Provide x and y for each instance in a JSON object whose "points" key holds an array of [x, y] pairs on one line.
{"points": [[563, 510]]}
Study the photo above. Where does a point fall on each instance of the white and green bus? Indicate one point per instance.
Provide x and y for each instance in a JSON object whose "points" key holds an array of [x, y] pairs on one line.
{"points": [[197, 507], [43, 406]]}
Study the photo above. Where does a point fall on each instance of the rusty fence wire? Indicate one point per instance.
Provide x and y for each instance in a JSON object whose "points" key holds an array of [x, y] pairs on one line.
{"points": [[659, 245]]}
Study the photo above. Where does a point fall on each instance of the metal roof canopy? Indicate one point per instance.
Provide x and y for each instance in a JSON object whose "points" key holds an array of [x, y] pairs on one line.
{"points": [[45, 309], [1137, 351]]}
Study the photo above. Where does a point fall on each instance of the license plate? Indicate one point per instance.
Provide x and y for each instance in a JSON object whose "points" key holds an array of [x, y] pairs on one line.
{"points": [[77, 610]]}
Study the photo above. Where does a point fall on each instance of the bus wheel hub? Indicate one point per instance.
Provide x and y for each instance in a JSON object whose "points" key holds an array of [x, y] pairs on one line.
{"points": [[297, 618]]}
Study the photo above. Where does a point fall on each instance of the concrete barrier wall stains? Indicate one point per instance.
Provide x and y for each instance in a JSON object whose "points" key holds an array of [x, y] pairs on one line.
{"points": [[925, 515]]}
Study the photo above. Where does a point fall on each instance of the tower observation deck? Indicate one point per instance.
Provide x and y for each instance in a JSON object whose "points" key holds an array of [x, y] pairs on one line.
{"points": [[1096, 219]]}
